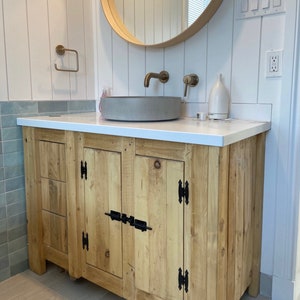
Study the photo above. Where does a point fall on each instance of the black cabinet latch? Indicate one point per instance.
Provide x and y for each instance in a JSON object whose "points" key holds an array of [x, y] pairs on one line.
{"points": [[114, 215], [183, 192], [138, 224], [141, 225]]}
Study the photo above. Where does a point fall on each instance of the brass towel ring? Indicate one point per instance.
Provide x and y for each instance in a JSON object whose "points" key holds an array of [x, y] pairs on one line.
{"points": [[60, 50]]}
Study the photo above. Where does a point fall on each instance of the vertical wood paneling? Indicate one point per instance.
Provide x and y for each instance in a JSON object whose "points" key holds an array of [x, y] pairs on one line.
{"points": [[272, 37], [136, 71], [59, 36], [29, 32], [120, 66], [158, 23], [175, 84], [220, 38], [149, 22], [245, 64], [195, 53], [139, 20], [3, 78], [104, 51], [17, 49], [167, 19], [90, 57], [39, 49], [155, 63], [75, 27], [129, 13]]}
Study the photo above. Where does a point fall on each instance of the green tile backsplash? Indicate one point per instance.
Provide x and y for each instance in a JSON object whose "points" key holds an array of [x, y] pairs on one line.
{"points": [[13, 235]]}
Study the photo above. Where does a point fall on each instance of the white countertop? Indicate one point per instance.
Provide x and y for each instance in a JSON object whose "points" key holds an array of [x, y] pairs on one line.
{"points": [[186, 130]]}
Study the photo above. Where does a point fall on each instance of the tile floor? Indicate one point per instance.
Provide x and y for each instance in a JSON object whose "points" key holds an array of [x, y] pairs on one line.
{"points": [[81, 289]]}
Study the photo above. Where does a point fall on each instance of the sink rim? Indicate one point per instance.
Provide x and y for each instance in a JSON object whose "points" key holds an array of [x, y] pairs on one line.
{"points": [[140, 108]]}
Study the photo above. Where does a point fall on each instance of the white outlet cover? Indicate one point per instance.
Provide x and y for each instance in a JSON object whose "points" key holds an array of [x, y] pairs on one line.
{"points": [[269, 72]]}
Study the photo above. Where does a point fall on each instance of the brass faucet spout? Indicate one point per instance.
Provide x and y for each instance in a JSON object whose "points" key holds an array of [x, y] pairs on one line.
{"points": [[163, 77]]}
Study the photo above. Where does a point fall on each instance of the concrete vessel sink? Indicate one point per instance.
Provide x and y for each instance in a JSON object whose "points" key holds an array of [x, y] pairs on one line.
{"points": [[140, 108]]}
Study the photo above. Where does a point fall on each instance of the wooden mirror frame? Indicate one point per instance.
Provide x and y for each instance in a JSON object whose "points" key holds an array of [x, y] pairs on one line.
{"points": [[116, 23]]}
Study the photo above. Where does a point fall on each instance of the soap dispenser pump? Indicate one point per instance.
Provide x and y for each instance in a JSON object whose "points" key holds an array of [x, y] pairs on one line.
{"points": [[218, 102]]}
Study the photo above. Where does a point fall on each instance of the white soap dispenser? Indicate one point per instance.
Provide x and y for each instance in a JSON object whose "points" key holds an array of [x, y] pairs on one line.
{"points": [[218, 102]]}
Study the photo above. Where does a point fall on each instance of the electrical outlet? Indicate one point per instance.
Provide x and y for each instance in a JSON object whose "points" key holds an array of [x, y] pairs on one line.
{"points": [[274, 63]]}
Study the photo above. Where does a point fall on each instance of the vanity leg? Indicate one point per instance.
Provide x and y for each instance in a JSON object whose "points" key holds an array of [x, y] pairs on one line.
{"points": [[37, 263]]}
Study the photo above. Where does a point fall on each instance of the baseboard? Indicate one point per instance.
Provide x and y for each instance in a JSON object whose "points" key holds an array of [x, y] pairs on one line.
{"points": [[282, 289], [266, 285]]}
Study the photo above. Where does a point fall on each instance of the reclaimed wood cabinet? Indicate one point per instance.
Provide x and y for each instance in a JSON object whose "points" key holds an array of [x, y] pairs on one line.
{"points": [[146, 219], [49, 158]]}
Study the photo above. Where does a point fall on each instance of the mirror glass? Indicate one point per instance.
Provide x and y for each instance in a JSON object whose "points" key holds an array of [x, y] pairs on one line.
{"points": [[158, 22]]}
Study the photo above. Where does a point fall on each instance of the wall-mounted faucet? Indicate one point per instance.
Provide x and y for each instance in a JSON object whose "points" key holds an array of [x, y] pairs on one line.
{"points": [[163, 77], [190, 80]]}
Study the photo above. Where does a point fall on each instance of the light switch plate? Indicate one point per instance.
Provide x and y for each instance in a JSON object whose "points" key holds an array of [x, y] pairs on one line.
{"points": [[256, 8]]}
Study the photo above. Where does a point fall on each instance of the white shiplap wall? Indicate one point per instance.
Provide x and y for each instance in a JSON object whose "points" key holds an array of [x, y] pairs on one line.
{"points": [[29, 33]]}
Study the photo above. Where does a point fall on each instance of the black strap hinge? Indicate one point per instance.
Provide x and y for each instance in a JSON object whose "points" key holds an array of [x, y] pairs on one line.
{"points": [[183, 280], [83, 170], [85, 241], [183, 192]]}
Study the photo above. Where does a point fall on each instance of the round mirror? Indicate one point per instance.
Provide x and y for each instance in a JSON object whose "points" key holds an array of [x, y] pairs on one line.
{"points": [[158, 23]]}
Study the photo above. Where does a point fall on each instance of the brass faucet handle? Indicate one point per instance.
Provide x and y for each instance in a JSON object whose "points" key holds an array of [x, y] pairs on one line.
{"points": [[163, 76], [190, 80]]}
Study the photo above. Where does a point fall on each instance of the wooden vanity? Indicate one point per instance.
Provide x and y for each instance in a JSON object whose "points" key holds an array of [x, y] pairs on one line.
{"points": [[147, 218]]}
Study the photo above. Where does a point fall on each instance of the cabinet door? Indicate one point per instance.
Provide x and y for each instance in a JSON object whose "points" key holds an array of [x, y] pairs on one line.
{"points": [[102, 193], [159, 251]]}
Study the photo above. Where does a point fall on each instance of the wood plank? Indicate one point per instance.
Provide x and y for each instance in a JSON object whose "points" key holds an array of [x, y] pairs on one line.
{"points": [[52, 160], [17, 49], [73, 217], [39, 49], [246, 31], [222, 222], [57, 257], [104, 142], [90, 38], [76, 40], [57, 12], [37, 261], [104, 279], [257, 219], [249, 158], [231, 230], [53, 195], [50, 135], [196, 218], [128, 208], [55, 232], [160, 149], [212, 223]]}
